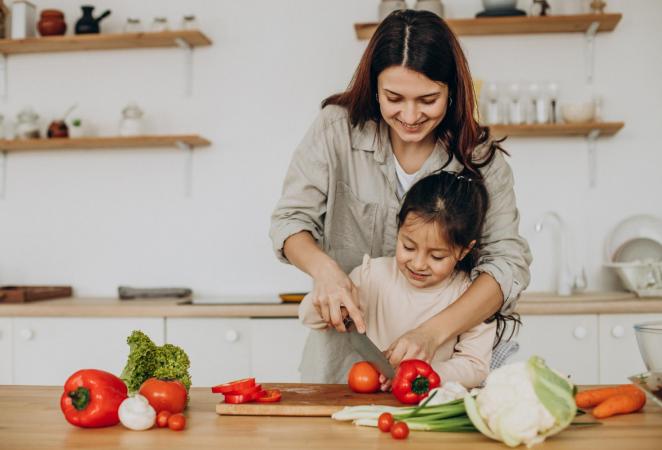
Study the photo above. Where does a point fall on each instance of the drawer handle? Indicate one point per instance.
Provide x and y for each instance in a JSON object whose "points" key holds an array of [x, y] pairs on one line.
{"points": [[580, 332], [27, 334], [231, 336], [618, 331]]}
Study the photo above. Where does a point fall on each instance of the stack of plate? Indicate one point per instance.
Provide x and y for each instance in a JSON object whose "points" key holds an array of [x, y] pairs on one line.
{"points": [[634, 251]]}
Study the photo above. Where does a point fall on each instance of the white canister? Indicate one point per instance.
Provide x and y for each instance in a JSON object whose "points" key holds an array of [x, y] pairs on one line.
{"points": [[23, 20], [132, 122], [434, 6], [386, 7]]}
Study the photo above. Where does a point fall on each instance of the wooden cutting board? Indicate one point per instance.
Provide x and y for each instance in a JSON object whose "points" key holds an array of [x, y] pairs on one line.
{"points": [[312, 400]]}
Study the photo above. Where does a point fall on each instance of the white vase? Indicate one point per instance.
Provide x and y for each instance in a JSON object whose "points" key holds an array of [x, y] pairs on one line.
{"points": [[434, 6], [386, 7]]}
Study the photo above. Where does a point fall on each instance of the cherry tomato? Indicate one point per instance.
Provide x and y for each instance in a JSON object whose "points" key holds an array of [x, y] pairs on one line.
{"points": [[363, 378], [399, 430], [162, 418], [177, 422], [385, 422], [164, 395], [270, 396], [237, 386]]}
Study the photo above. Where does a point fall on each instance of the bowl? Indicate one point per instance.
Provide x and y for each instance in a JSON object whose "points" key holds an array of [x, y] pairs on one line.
{"points": [[644, 277], [580, 112], [650, 383], [499, 5], [649, 339], [636, 238]]}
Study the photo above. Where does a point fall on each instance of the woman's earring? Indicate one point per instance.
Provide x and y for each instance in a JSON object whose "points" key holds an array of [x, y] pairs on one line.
{"points": [[450, 101]]}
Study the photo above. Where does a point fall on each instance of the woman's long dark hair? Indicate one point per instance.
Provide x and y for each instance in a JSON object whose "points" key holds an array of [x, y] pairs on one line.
{"points": [[423, 42], [457, 203]]}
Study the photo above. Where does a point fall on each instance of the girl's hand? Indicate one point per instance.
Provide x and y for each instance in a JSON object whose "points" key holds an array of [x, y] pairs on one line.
{"points": [[332, 290], [414, 344], [385, 383]]}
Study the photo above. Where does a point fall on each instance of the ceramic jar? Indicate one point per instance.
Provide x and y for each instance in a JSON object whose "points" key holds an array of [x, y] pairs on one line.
{"points": [[386, 7], [27, 124], [51, 23], [132, 122]]}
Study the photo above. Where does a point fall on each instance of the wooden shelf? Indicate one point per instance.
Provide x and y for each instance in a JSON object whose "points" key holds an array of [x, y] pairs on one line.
{"points": [[558, 129], [579, 23], [85, 143], [72, 43]]}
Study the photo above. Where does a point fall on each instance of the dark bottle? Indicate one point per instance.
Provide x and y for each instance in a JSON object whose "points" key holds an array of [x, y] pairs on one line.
{"points": [[88, 24]]}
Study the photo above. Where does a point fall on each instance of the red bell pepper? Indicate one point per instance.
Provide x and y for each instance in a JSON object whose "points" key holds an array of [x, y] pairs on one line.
{"points": [[91, 398], [413, 380]]}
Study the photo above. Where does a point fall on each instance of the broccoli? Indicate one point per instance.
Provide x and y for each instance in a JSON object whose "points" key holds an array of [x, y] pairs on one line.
{"points": [[147, 360]]}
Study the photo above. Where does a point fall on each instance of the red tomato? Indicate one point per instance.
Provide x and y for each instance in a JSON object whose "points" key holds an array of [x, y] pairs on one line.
{"points": [[363, 378], [164, 395], [177, 422], [162, 419], [399, 430], [385, 422]]}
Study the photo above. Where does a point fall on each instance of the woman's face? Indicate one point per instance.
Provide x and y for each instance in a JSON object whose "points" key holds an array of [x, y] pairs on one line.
{"points": [[411, 103], [423, 254]]}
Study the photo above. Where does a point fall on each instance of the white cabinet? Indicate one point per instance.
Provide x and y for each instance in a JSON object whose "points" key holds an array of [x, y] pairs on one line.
{"points": [[219, 348], [5, 351], [48, 350], [568, 343], [619, 353], [276, 349]]}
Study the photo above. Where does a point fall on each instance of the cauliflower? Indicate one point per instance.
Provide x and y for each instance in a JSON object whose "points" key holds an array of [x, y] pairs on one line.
{"points": [[523, 403]]}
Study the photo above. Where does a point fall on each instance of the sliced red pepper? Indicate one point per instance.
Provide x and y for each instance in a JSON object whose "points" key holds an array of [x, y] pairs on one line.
{"points": [[250, 390], [237, 385], [272, 395], [239, 398]]}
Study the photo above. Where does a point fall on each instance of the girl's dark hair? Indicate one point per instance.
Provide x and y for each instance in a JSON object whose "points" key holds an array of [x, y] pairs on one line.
{"points": [[457, 203], [423, 42]]}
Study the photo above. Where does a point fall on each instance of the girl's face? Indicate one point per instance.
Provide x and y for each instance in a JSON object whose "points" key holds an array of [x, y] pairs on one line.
{"points": [[411, 103], [423, 254]]}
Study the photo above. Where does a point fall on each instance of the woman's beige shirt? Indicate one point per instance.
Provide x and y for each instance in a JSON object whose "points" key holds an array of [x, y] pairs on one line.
{"points": [[341, 187]]}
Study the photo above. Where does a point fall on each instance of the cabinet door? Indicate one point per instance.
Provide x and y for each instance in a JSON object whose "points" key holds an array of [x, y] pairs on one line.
{"points": [[276, 348], [619, 352], [5, 350], [48, 350], [219, 349], [568, 343]]}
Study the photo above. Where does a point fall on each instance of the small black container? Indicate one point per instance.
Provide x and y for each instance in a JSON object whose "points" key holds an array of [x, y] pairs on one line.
{"points": [[87, 24]]}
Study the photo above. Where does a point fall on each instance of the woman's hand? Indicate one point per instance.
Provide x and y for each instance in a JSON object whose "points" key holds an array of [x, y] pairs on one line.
{"points": [[332, 291], [414, 344]]}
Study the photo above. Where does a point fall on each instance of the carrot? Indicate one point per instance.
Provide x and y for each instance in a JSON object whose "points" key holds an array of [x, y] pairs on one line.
{"points": [[631, 402], [593, 397]]}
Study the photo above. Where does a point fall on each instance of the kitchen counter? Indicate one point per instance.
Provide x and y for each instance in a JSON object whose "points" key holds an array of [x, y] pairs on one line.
{"points": [[529, 304], [30, 418]]}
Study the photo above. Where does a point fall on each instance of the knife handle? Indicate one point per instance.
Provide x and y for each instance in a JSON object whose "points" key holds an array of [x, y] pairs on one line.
{"points": [[346, 319]]}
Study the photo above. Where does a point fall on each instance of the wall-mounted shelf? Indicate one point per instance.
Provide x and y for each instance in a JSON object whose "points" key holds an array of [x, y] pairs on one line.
{"points": [[185, 142], [558, 129], [185, 39], [190, 140], [73, 43], [580, 23]]}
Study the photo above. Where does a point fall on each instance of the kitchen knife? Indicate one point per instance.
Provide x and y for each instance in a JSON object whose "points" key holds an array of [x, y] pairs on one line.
{"points": [[368, 350]]}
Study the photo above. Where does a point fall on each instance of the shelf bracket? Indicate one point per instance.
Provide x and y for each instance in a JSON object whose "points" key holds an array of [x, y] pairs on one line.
{"points": [[188, 175], [188, 65], [592, 157], [590, 50], [3, 174], [3, 76]]}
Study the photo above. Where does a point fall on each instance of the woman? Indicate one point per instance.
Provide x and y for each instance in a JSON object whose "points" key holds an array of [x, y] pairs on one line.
{"points": [[408, 111]]}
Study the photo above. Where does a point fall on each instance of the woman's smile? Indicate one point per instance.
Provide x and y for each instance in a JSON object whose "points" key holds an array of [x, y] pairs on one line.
{"points": [[413, 127]]}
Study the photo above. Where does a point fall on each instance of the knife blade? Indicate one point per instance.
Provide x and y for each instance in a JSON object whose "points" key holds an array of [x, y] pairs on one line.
{"points": [[368, 350]]}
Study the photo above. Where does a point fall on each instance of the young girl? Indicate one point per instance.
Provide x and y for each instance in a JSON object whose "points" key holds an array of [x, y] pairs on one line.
{"points": [[439, 225]]}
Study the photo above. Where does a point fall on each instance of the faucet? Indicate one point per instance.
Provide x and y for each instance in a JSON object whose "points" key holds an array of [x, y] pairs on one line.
{"points": [[568, 279]]}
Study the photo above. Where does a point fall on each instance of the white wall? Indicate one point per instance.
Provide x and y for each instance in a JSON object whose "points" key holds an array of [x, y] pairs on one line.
{"points": [[102, 218]]}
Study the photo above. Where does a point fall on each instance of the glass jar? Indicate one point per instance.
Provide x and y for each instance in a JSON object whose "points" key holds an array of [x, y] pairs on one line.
{"points": [[133, 25], [189, 22], [160, 24], [27, 124], [132, 122]]}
